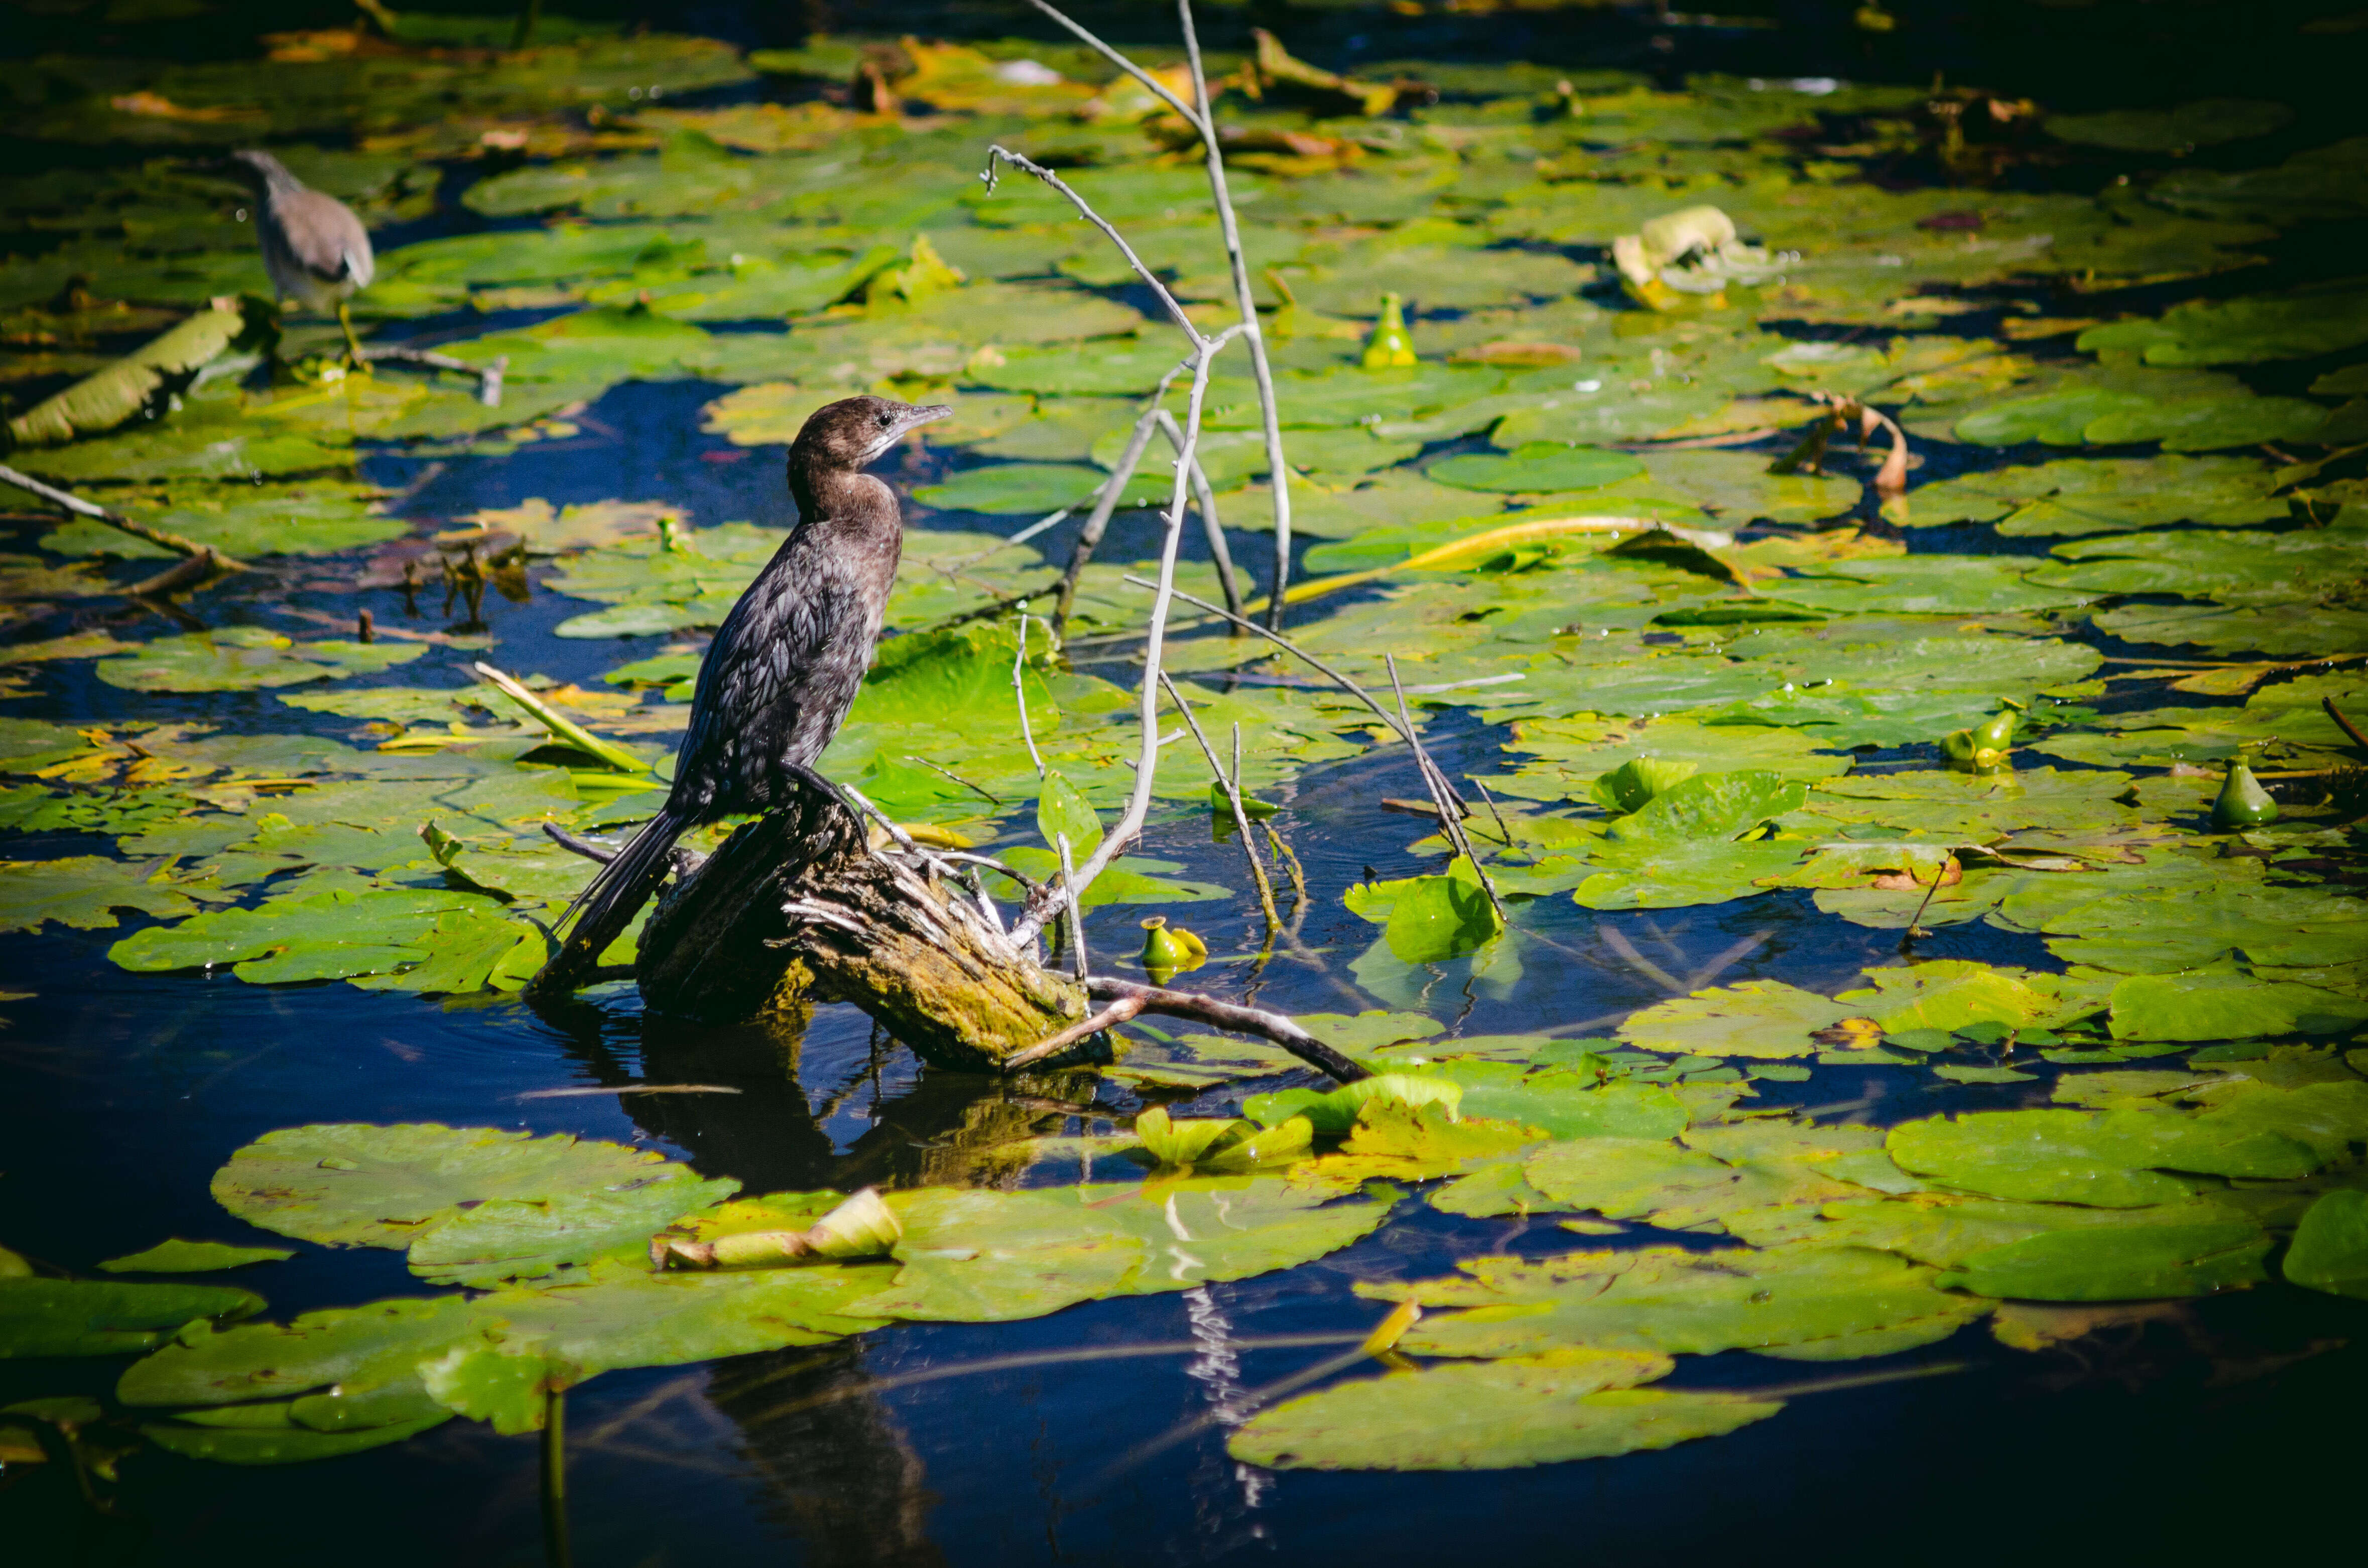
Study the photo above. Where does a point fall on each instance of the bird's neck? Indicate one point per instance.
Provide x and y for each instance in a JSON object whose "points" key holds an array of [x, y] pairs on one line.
{"points": [[842, 497]]}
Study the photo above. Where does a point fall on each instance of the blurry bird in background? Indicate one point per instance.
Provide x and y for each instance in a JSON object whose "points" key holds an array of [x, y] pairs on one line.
{"points": [[314, 246]]}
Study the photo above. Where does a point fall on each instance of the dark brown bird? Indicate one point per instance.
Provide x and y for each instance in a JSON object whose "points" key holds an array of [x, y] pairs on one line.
{"points": [[784, 667], [314, 246]]}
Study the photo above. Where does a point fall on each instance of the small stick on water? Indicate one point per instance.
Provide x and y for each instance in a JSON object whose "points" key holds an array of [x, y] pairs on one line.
{"points": [[1288, 646], [1916, 921], [558, 723], [1234, 799], [1282, 1030], [2346, 725], [1117, 1013], [950, 775], [1020, 690], [488, 377], [187, 572], [1076, 918], [1449, 817], [1290, 865], [1504, 832], [97, 514]]}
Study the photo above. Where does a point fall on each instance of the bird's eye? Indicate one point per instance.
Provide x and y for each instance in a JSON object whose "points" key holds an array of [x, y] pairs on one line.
{"points": [[885, 421]]}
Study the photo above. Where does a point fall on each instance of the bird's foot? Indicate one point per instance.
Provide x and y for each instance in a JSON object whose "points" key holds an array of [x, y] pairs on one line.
{"points": [[815, 781]]}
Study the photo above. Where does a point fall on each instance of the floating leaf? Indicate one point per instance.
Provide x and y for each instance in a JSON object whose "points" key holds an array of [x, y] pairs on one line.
{"points": [[177, 1256], [1759, 1018], [2331, 1247], [354, 1184], [105, 1317], [1495, 1415]]}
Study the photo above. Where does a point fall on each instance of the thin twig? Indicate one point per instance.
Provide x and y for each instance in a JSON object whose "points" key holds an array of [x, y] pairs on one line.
{"points": [[1288, 646], [1106, 500], [1075, 913], [1020, 690], [1503, 831], [2346, 725], [1270, 414], [97, 514], [1276, 1027], [602, 853], [1231, 788], [1138, 806], [1290, 865], [1451, 810], [1204, 499], [1157, 87], [1117, 1013], [488, 376], [187, 572], [1727, 960], [1089, 537], [996, 153], [985, 794]]}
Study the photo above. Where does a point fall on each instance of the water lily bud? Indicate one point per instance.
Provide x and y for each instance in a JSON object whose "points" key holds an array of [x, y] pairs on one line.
{"points": [[2243, 802], [1391, 345], [863, 1226]]}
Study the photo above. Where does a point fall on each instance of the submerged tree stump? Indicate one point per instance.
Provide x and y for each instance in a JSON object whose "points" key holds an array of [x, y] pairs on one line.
{"points": [[797, 906]]}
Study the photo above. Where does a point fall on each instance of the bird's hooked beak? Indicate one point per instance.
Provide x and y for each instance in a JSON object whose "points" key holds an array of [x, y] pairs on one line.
{"points": [[911, 419]]}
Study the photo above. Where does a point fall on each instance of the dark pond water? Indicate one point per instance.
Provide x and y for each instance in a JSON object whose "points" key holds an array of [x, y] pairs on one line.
{"points": [[2216, 1428]]}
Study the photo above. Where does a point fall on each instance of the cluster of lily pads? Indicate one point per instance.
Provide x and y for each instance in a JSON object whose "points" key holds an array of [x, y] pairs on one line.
{"points": [[1606, 509]]}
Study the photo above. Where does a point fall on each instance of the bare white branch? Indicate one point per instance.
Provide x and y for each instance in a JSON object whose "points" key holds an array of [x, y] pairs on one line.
{"points": [[1157, 87], [996, 153]]}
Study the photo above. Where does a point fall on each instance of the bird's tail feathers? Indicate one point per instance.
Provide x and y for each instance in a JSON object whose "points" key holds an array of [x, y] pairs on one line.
{"points": [[608, 902]]}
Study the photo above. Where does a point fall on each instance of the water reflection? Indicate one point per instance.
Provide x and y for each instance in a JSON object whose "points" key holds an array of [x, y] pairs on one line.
{"points": [[838, 1471]]}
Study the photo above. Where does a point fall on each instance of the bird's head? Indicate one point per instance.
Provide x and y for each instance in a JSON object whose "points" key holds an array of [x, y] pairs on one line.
{"points": [[257, 168], [858, 430]]}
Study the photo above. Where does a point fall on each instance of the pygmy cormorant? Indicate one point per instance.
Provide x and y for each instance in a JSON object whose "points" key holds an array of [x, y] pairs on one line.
{"points": [[784, 667]]}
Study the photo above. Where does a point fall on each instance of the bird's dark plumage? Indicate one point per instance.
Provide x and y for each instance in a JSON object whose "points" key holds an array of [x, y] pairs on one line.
{"points": [[784, 667]]}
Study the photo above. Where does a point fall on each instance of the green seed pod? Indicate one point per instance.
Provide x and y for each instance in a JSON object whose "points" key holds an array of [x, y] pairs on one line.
{"points": [[1391, 345], [1997, 732], [2243, 802], [1168, 949]]}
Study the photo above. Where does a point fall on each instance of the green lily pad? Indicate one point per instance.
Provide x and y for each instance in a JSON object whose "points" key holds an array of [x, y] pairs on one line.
{"points": [[2100, 1158], [2204, 123], [2331, 1247], [2117, 1263], [355, 1185], [2300, 324], [1495, 1416], [247, 658], [1542, 467], [2087, 495], [988, 1257], [1763, 1019], [84, 891], [105, 1317], [1676, 1300], [1018, 489], [177, 1256]]}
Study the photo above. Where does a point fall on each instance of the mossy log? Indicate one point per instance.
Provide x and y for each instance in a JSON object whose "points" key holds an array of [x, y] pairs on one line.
{"points": [[797, 906]]}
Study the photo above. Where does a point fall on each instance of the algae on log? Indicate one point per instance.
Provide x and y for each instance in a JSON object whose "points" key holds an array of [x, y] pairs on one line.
{"points": [[797, 906]]}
